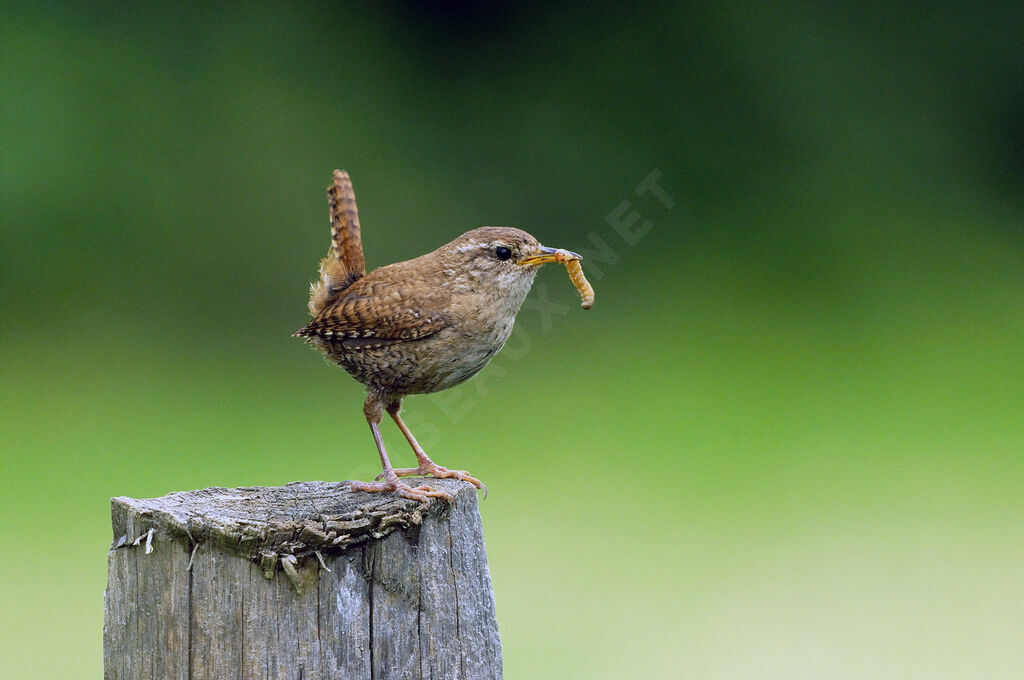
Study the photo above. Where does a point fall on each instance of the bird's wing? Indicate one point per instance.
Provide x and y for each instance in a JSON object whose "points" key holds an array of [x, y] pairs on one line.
{"points": [[344, 263], [375, 313]]}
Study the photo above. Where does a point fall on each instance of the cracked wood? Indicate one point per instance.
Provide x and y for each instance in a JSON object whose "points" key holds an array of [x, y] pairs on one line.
{"points": [[376, 587]]}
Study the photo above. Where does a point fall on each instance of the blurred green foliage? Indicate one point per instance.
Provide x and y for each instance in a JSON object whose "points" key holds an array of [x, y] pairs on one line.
{"points": [[786, 442]]}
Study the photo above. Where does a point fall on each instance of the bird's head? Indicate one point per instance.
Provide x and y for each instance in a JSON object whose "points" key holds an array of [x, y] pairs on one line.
{"points": [[504, 259]]}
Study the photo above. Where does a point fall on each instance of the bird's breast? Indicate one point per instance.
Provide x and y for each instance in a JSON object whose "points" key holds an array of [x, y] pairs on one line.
{"points": [[464, 349]]}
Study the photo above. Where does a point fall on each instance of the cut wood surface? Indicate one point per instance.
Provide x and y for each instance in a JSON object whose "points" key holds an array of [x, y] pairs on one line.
{"points": [[307, 580]]}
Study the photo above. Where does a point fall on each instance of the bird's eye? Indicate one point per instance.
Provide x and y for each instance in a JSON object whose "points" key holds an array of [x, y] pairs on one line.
{"points": [[502, 252]]}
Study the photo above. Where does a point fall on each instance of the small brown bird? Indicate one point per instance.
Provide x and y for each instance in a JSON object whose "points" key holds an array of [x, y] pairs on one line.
{"points": [[418, 326]]}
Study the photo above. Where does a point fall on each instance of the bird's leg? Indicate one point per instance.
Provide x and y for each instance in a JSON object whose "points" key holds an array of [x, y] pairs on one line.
{"points": [[427, 466], [372, 410]]}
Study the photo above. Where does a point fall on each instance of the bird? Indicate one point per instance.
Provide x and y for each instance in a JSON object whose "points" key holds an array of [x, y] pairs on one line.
{"points": [[418, 326]]}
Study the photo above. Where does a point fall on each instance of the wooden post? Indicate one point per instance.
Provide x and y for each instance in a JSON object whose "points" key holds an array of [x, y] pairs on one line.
{"points": [[304, 581]]}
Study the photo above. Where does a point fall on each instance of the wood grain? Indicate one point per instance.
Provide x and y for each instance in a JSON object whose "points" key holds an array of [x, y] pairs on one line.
{"points": [[360, 586]]}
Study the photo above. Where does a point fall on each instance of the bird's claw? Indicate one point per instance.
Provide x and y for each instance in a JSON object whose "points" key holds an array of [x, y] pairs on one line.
{"points": [[422, 493], [439, 472]]}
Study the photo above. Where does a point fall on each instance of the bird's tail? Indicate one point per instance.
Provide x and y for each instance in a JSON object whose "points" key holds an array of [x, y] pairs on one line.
{"points": [[344, 262]]}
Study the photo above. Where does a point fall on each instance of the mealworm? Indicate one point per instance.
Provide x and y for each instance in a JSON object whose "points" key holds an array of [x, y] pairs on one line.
{"points": [[580, 281]]}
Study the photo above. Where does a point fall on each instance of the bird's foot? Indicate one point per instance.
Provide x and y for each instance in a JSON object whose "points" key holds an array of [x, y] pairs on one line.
{"points": [[422, 493], [439, 471]]}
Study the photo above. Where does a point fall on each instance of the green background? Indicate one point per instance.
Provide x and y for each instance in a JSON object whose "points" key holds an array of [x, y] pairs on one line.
{"points": [[785, 443]]}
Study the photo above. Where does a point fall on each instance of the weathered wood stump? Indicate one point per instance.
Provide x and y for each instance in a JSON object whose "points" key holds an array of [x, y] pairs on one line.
{"points": [[302, 581]]}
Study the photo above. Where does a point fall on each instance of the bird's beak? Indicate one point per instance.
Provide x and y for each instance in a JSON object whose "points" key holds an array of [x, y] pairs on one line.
{"points": [[545, 255]]}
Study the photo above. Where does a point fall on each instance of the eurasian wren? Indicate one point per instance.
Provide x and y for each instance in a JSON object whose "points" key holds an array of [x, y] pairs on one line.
{"points": [[417, 326]]}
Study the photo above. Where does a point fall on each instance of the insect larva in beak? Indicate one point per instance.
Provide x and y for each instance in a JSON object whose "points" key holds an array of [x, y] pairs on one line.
{"points": [[580, 281]]}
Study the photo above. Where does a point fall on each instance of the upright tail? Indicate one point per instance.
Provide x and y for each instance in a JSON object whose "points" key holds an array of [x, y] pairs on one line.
{"points": [[344, 262]]}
